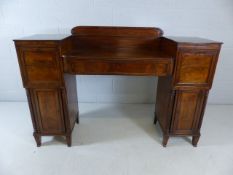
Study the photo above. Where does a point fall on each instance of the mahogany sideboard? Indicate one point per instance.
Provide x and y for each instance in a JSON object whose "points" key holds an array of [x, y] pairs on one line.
{"points": [[185, 68]]}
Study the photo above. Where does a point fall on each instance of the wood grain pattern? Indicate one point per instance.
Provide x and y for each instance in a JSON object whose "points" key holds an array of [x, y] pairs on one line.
{"points": [[195, 64], [164, 103], [34, 57], [94, 67], [186, 111], [40, 66], [195, 67], [49, 111], [185, 66], [117, 31], [71, 98]]}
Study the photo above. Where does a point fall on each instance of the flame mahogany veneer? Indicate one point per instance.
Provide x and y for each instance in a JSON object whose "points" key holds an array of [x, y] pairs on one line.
{"points": [[185, 67]]}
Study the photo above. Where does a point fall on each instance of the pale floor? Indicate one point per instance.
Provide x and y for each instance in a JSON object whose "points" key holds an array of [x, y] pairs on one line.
{"points": [[115, 139]]}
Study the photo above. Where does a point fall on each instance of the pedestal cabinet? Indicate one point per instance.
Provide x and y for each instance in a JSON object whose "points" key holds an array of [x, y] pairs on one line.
{"points": [[52, 95]]}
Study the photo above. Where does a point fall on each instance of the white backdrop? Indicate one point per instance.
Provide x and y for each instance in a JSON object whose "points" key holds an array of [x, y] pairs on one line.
{"points": [[211, 19]]}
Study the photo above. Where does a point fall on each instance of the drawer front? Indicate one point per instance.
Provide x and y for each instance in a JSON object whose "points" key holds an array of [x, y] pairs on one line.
{"points": [[187, 111], [48, 110], [40, 67], [39, 57], [195, 68], [42, 74], [118, 67]]}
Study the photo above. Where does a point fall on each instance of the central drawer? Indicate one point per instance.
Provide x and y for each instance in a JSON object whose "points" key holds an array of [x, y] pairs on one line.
{"points": [[118, 67]]}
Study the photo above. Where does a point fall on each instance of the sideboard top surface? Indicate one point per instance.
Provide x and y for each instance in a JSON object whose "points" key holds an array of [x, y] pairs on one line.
{"points": [[43, 37], [117, 54]]}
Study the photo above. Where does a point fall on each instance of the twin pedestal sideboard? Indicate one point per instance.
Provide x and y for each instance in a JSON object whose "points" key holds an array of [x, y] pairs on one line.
{"points": [[185, 68]]}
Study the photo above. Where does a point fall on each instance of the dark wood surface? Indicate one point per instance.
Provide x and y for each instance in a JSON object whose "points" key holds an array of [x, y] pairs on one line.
{"points": [[185, 67], [120, 31]]}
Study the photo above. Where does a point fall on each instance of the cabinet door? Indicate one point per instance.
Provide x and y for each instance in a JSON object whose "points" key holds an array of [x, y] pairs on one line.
{"points": [[188, 111], [49, 111]]}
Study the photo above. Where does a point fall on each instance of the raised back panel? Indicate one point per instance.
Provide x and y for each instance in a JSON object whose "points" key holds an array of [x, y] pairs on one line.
{"points": [[120, 37], [150, 32]]}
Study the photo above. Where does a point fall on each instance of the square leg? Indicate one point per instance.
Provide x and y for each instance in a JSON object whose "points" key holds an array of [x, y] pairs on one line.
{"points": [[165, 140], [155, 118], [195, 140], [69, 140], [37, 138]]}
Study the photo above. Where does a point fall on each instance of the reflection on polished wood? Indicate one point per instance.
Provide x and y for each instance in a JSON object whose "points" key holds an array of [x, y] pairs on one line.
{"points": [[185, 67]]}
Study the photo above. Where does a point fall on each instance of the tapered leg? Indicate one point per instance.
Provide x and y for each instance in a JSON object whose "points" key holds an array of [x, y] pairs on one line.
{"points": [[155, 118], [165, 140], [38, 139], [195, 140], [77, 118], [68, 140]]}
